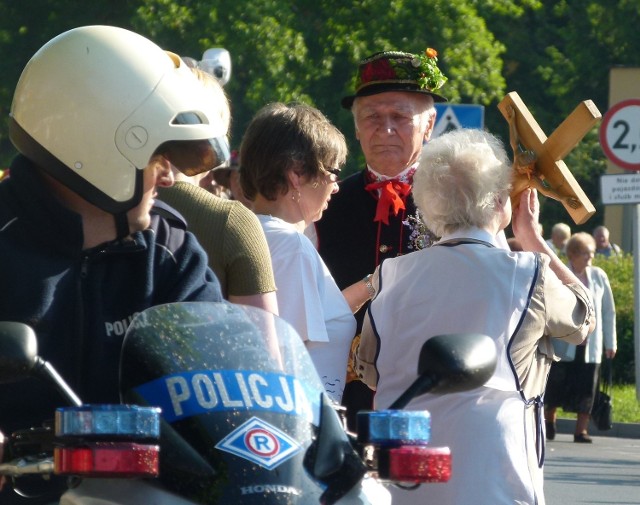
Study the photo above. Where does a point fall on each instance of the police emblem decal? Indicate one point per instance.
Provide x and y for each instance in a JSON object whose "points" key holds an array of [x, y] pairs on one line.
{"points": [[260, 443]]}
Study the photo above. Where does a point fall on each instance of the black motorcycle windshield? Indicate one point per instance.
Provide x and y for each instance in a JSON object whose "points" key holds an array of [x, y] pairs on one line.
{"points": [[240, 401]]}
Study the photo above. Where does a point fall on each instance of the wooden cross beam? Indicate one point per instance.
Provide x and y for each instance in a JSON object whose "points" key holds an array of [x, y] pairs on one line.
{"points": [[538, 160]]}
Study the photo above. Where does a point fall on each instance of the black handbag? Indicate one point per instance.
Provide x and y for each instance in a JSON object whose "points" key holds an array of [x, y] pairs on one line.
{"points": [[602, 411]]}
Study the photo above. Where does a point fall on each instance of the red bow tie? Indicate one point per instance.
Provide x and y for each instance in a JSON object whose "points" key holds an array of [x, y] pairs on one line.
{"points": [[391, 197]]}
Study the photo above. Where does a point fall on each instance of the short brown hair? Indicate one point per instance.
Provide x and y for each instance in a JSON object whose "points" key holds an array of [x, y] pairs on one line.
{"points": [[579, 242], [281, 137]]}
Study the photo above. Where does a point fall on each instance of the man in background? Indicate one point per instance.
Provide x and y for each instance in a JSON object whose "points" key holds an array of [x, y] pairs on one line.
{"points": [[603, 246], [560, 233], [373, 216]]}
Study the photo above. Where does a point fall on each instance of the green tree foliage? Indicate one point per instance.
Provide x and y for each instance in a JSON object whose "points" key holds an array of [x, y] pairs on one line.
{"points": [[308, 50], [26, 25], [558, 53], [554, 54]]}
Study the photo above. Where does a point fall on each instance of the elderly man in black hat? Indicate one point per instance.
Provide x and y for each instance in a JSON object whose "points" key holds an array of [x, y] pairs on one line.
{"points": [[373, 216]]}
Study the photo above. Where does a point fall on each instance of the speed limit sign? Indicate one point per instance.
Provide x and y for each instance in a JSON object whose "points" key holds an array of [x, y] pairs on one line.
{"points": [[620, 134]]}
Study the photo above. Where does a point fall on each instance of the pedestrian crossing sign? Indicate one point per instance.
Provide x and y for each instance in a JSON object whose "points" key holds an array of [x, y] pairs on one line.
{"points": [[454, 116]]}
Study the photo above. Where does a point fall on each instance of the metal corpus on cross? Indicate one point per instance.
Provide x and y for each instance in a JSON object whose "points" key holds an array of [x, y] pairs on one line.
{"points": [[537, 160]]}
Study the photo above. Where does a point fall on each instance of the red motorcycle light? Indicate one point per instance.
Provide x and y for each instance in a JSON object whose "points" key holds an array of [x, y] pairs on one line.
{"points": [[105, 459], [416, 464]]}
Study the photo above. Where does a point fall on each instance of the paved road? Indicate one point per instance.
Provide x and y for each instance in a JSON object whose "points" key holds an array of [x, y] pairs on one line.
{"points": [[606, 472]]}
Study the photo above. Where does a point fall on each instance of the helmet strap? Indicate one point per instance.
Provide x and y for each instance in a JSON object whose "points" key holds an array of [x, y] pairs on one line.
{"points": [[122, 225]]}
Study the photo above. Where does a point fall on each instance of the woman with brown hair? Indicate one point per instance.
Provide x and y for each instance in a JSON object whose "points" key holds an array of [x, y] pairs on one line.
{"points": [[291, 158]]}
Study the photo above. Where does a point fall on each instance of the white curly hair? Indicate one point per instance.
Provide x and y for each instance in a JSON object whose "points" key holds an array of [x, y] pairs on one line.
{"points": [[461, 177]]}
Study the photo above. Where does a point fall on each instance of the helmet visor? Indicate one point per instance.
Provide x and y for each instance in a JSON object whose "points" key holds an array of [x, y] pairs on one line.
{"points": [[192, 157]]}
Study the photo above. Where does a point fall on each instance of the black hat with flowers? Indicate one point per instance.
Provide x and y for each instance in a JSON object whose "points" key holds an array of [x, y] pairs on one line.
{"points": [[397, 71]]}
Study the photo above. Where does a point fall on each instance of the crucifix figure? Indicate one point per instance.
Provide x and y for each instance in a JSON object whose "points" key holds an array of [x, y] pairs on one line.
{"points": [[537, 160]]}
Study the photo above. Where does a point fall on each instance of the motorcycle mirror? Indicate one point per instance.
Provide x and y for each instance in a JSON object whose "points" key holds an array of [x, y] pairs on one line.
{"points": [[331, 459], [18, 351], [450, 364], [19, 359]]}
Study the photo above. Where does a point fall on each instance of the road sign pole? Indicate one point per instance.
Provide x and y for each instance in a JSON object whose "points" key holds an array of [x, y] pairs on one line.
{"points": [[620, 141], [636, 295]]}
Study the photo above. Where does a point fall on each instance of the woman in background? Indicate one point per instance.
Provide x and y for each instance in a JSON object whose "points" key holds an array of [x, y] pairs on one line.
{"points": [[573, 381]]}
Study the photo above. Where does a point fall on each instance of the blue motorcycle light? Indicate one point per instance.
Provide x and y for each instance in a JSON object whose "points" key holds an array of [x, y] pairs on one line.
{"points": [[394, 427], [129, 421]]}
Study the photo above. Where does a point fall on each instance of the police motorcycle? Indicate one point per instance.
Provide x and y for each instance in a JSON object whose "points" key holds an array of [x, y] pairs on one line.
{"points": [[221, 404]]}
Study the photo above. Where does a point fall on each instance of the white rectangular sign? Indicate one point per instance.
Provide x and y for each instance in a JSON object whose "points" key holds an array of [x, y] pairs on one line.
{"points": [[620, 188]]}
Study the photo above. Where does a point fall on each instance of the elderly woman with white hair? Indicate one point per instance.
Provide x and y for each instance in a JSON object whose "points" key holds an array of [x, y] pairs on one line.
{"points": [[467, 282]]}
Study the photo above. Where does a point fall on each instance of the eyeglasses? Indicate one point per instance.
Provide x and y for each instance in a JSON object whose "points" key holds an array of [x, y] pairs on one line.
{"points": [[334, 173]]}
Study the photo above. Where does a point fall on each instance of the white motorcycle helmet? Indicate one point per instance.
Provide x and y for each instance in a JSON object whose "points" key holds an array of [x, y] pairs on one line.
{"points": [[95, 103]]}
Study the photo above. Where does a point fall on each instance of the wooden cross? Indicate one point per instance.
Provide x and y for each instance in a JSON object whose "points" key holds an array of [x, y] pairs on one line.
{"points": [[538, 160]]}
